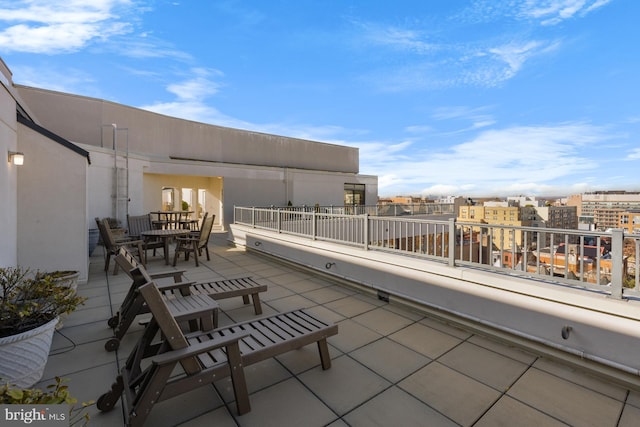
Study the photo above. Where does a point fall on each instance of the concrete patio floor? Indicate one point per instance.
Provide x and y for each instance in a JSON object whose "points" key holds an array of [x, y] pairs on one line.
{"points": [[391, 365]]}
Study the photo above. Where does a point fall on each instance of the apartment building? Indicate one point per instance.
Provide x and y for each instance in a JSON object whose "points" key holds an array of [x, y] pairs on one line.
{"points": [[493, 213], [602, 208], [565, 217], [629, 221]]}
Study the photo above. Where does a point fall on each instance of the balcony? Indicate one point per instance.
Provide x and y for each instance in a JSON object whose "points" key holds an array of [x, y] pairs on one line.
{"points": [[396, 362]]}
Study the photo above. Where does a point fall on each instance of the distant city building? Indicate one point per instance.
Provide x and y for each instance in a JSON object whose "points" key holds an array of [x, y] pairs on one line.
{"points": [[496, 204], [602, 208], [406, 200], [565, 217], [525, 201], [497, 214], [629, 221]]}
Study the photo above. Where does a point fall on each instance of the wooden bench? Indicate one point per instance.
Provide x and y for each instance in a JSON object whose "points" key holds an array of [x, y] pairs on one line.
{"points": [[205, 357]]}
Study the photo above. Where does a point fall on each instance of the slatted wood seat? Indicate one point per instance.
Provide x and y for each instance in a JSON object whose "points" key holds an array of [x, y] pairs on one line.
{"points": [[206, 357], [200, 310], [244, 287]]}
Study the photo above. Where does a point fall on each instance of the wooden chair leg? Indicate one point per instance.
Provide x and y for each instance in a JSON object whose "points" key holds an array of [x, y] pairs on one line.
{"points": [[323, 349], [257, 307], [176, 253], [240, 390], [195, 252], [107, 261], [153, 385]]}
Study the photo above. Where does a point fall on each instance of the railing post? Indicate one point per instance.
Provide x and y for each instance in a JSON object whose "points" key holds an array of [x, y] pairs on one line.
{"points": [[365, 231], [452, 242], [617, 265], [279, 221], [314, 226], [253, 217]]}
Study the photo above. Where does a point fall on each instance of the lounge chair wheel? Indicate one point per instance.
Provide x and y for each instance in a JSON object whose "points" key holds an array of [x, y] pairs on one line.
{"points": [[112, 344], [113, 322], [106, 402]]}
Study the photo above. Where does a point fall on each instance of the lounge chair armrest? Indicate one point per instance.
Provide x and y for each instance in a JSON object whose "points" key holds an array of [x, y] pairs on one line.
{"points": [[129, 242], [199, 348], [175, 285]]}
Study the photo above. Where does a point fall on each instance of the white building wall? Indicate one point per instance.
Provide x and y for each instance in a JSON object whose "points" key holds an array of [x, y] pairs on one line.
{"points": [[52, 202], [8, 172], [227, 185]]}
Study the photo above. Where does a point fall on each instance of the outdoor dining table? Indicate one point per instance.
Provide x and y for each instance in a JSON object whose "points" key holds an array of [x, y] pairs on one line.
{"points": [[166, 235]]}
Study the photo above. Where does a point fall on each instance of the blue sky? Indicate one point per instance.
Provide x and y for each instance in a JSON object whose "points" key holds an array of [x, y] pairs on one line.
{"points": [[442, 97]]}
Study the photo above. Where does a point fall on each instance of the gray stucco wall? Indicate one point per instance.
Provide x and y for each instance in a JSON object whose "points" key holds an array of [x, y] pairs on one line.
{"points": [[87, 121]]}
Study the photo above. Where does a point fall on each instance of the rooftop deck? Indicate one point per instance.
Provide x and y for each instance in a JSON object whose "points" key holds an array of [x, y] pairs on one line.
{"points": [[391, 365]]}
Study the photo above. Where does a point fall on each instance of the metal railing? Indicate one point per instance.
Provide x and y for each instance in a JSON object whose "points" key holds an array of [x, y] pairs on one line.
{"points": [[603, 262], [389, 209]]}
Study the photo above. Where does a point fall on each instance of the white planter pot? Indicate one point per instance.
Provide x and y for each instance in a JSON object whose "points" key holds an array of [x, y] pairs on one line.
{"points": [[71, 279], [24, 356]]}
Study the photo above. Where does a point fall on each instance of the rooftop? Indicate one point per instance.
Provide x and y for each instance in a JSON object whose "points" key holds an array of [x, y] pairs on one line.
{"points": [[391, 365]]}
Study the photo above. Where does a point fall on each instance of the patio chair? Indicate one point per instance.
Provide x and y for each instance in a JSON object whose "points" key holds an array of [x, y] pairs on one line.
{"points": [[200, 311], [189, 223], [133, 305], [195, 243], [244, 287], [112, 245], [205, 357], [139, 223]]}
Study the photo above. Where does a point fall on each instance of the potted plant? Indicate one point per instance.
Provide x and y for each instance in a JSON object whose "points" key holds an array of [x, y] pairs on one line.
{"points": [[62, 277], [30, 307], [56, 394]]}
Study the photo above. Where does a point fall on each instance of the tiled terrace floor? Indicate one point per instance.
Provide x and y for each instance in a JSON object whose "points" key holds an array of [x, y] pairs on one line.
{"points": [[391, 366]]}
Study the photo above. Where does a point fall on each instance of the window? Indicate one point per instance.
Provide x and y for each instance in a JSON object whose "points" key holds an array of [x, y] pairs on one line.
{"points": [[168, 198], [354, 194]]}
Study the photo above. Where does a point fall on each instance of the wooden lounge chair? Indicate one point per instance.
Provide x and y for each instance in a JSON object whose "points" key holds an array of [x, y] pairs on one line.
{"points": [[199, 310], [112, 245], [195, 243], [244, 287], [206, 357], [139, 223]]}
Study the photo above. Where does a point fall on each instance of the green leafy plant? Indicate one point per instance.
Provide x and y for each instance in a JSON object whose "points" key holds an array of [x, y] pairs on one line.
{"points": [[56, 274], [28, 301], [56, 394]]}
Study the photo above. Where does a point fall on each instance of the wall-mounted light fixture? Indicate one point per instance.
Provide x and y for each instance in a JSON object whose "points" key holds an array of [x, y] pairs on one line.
{"points": [[16, 158]]}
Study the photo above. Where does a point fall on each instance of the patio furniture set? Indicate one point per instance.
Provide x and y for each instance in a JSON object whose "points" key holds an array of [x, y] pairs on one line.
{"points": [[206, 352], [144, 234]]}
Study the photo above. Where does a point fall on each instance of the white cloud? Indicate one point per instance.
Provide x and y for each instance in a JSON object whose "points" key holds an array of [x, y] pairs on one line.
{"points": [[199, 87], [403, 39], [633, 154], [515, 54], [545, 12], [49, 26], [49, 78], [551, 12], [533, 158]]}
